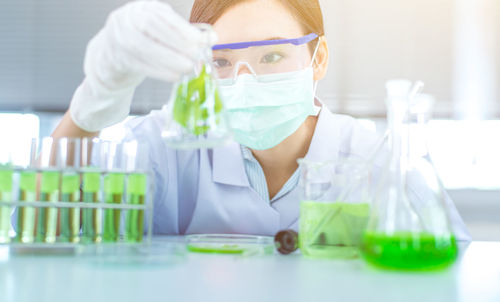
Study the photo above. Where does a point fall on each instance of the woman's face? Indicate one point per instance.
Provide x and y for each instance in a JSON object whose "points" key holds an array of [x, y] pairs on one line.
{"points": [[258, 20]]}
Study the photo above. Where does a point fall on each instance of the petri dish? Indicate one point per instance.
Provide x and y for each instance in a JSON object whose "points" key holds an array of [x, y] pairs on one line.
{"points": [[230, 244]]}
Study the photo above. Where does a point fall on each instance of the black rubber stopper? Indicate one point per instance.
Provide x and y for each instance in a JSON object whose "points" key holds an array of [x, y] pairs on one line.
{"points": [[286, 241]]}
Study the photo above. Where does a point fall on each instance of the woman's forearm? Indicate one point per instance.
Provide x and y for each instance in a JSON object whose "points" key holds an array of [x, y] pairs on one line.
{"points": [[67, 128]]}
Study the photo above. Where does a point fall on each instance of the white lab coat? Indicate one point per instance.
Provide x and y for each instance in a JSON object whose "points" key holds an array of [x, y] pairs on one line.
{"points": [[207, 191]]}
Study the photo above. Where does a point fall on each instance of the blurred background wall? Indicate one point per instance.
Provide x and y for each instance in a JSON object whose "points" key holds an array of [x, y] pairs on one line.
{"points": [[451, 45]]}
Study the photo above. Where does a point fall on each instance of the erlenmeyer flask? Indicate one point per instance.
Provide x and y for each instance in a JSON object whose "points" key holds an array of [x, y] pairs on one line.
{"points": [[409, 227], [195, 113]]}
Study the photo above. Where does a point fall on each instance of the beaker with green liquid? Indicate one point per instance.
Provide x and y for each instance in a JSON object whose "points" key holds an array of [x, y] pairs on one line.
{"points": [[334, 208], [409, 228], [195, 114]]}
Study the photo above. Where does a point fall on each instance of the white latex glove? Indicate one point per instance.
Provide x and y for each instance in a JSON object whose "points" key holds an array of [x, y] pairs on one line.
{"points": [[141, 39]]}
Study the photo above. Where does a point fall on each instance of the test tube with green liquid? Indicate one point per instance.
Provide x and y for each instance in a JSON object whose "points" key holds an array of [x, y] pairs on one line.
{"points": [[91, 224], [136, 196], [70, 217], [25, 214], [5, 196], [114, 184], [47, 217]]}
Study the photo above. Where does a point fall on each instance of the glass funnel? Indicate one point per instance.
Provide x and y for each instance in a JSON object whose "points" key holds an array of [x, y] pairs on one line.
{"points": [[409, 227], [334, 208], [195, 114]]}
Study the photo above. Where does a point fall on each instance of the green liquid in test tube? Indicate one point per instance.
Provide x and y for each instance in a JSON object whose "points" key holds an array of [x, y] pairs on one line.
{"points": [[47, 217], [70, 217], [5, 196], [92, 226], [26, 215], [136, 196], [113, 191]]}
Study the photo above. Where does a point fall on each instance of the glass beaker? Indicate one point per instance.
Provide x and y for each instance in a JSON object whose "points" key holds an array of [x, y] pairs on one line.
{"points": [[409, 227], [334, 209], [195, 114]]}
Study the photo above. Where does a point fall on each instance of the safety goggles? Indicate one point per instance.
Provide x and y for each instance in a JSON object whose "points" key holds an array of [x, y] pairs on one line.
{"points": [[262, 57]]}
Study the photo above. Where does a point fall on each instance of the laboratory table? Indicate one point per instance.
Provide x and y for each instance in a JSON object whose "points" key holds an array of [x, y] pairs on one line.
{"points": [[171, 274]]}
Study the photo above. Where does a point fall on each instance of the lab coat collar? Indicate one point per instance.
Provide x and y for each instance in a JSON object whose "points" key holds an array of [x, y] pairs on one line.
{"points": [[325, 143], [228, 166], [228, 163]]}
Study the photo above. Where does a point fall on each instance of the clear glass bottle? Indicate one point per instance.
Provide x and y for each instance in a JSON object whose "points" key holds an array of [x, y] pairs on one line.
{"points": [[195, 114], [409, 227]]}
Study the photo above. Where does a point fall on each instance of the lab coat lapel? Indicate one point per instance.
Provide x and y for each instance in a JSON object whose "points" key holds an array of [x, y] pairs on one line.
{"points": [[228, 166], [325, 144]]}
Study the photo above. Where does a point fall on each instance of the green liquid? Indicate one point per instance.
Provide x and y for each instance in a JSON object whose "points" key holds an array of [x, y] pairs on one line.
{"points": [[47, 217], [114, 184], [135, 218], [211, 249], [5, 196], [341, 226], [409, 251], [70, 217], [26, 215], [91, 224], [190, 106]]}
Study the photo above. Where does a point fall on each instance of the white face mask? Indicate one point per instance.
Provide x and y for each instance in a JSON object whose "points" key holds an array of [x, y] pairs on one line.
{"points": [[264, 112]]}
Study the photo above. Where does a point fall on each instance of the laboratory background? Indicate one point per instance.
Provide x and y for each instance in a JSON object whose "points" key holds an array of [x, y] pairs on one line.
{"points": [[453, 46], [83, 208]]}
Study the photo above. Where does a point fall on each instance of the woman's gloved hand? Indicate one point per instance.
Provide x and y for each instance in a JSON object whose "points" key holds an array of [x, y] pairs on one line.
{"points": [[141, 39]]}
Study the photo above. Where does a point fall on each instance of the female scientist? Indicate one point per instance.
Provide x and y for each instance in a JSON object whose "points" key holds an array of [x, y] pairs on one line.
{"points": [[249, 186]]}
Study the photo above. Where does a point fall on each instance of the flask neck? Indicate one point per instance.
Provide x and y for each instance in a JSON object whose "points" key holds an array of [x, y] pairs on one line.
{"points": [[420, 136], [399, 139]]}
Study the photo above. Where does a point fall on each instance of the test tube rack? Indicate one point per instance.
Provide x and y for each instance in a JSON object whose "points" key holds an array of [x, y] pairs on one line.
{"points": [[67, 208]]}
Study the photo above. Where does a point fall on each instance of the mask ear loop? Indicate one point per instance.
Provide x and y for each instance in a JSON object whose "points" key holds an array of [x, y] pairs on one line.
{"points": [[317, 109]]}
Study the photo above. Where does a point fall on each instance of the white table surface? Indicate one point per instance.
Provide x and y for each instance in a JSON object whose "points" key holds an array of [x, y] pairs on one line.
{"points": [[202, 277]]}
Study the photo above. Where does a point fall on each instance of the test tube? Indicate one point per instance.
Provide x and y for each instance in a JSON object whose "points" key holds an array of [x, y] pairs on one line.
{"points": [[136, 165], [136, 196], [25, 214], [25, 225], [91, 218], [47, 217], [69, 149], [114, 185], [113, 192], [6, 174], [91, 227]]}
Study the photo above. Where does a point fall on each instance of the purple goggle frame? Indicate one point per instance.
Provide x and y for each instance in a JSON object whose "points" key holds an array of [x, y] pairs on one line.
{"points": [[241, 45]]}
